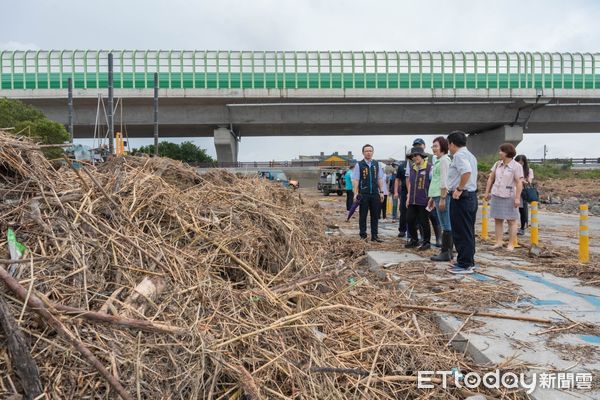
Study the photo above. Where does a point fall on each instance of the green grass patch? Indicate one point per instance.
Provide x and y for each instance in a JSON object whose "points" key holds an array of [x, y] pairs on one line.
{"points": [[485, 164], [588, 174], [552, 170], [546, 170]]}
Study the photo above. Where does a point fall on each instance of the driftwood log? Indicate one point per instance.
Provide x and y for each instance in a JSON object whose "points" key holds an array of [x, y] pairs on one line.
{"points": [[18, 349]]}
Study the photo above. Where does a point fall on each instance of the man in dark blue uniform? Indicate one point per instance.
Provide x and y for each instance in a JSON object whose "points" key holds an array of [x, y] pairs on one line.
{"points": [[368, 179]]}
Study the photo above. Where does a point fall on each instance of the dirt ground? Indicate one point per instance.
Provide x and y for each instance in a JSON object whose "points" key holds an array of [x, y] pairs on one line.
{"points": [[570, 188]]}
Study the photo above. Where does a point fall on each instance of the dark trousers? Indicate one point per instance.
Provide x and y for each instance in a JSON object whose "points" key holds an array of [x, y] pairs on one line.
{"points": [[349, 199], [369, 203], [384, 207], [462, 218], [434, 218], [402, 199], [420, 224], [524, 212], [418, 216]]}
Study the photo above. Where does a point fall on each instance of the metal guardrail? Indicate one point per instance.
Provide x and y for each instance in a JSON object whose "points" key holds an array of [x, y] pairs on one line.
{"points": [[50, 69], [571, 161], [269, 164], [290, 164]]}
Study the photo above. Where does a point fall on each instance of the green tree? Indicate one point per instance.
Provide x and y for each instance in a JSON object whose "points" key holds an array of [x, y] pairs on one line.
{"points": [[31, 122], [14, 111], [186, 151], [189, 152]]}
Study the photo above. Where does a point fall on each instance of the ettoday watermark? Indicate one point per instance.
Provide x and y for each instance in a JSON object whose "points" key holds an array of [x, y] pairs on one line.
{"points": [[505, 380]]}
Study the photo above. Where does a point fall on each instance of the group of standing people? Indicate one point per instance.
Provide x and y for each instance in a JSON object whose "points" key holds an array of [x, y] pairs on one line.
{"points": [[423, 184], [442, 190], [427, 184]]}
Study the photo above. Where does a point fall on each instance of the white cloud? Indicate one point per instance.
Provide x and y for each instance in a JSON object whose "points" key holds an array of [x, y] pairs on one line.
{"points": [[14, 45], [551, 25], [492, 25]]}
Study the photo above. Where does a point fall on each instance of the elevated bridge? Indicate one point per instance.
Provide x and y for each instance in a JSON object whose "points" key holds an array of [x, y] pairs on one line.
{"points": [[494, 97]]}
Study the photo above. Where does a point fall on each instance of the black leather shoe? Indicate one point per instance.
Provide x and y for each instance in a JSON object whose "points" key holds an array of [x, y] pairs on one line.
{"points": [[424, 246], [376, 239], [443, 256], [411, 245]]}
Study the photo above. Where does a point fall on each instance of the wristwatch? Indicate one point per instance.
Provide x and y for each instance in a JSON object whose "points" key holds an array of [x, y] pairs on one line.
{"points": [[459, 189]]}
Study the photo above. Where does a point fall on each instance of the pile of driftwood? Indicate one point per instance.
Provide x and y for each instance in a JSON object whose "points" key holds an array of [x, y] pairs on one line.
{"points": [[143, 279]]}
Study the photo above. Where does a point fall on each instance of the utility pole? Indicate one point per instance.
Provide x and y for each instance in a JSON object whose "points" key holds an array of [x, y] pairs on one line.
{"points": [[156, 113], [70, 106], [545, 152], [111, 122]]}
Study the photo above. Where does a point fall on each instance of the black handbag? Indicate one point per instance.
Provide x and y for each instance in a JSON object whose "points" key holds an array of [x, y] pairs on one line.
{"points": [[530, 193]]}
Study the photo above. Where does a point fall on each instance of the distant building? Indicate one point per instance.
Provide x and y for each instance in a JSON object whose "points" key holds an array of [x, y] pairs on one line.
{"points": [[323, 159]]}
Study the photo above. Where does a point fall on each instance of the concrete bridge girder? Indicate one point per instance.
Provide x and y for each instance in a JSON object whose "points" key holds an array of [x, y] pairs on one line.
{"points": [[282, 112], [202, 112], [288, 119], [178, 118], [260, 94]]}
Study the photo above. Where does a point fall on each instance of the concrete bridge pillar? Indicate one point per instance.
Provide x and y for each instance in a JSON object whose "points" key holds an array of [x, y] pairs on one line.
{"points": [[486, 143], [226, 144]]}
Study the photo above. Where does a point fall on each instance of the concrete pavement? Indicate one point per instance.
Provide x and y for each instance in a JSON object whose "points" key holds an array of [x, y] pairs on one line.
{"points": [[496, 341]]}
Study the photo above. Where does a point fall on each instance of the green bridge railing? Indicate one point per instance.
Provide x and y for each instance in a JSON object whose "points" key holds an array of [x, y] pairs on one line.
{"points": [[299, 70]]}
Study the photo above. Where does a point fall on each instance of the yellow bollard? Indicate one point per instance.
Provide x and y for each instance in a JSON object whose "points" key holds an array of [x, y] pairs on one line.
{"points": [[484, 221], [584, 238], [120, 146], [389, 205], [534, 224]]}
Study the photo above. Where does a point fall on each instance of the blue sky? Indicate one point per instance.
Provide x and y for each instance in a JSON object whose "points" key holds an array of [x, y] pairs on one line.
{"points": [[316, 25]]}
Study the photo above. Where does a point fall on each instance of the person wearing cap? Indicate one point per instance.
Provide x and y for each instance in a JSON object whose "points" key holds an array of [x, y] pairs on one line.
{"points": [[462, 185], [420, 143], [368, 181], [348, 187], [416, 203]]}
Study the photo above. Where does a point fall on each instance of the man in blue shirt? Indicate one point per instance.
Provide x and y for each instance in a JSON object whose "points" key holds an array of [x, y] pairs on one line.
{"points": [[348, 186], [462, 185], [368, 180]]}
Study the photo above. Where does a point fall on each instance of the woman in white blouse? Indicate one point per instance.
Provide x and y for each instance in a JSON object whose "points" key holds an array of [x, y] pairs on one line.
{"points": [[503, 188]]}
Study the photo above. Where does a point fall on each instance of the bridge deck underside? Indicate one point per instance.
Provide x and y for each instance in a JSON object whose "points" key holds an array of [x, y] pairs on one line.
{"points": [[273, 115]]}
